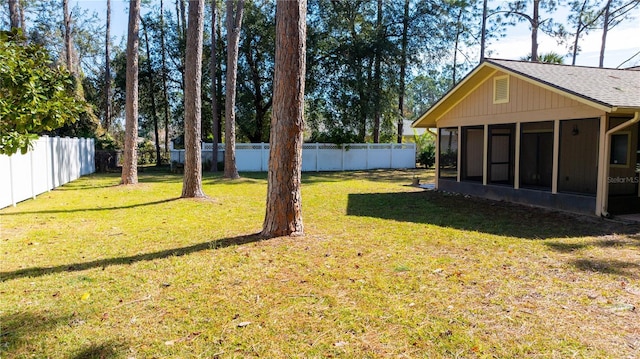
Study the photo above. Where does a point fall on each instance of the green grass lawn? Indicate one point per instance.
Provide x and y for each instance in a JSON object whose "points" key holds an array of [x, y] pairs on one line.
{"points": [[97, 270]]}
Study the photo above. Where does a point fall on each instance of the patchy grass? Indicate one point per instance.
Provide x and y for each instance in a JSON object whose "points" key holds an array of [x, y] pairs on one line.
{"points": [[97, 270]]}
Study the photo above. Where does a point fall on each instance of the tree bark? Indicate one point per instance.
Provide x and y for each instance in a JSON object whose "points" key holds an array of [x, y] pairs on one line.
{"points": [[67, 37], [483, 34], [214, 97], [165, 90], [234, 23], [192, 181], [579, 29], [459, 30], [377, 77], [152, 94], [107, 71], [605, 30], [284, 202], [535, 23], [14, 14], [403, 68], [130, 161]]}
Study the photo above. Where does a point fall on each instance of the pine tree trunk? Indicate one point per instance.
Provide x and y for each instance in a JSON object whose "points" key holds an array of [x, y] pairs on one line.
{"points": [[377, 77], [107, 71], [535, 23], [605, 30], [579, 29], [403, 68], [165, 91], [14, 14], [152, 94], [214, 97], [483, 34], [67, 38], [192, 181], [130, 161], [284, 202], [459, 30], [234, 23]]}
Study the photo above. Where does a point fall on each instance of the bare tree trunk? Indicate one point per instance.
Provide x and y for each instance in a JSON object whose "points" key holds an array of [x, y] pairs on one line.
{"points": [[183, 16], [454, 74], [67, 38], [165, 91], [107, 71], [284, 202], [130, 161], [23, 23], [483, 34], [234, 23], [214, 97], [14, 14], [535, 23], [579, 29], [377, 77], [605, 30], [192, 181], [403, 68], [152, 93]]}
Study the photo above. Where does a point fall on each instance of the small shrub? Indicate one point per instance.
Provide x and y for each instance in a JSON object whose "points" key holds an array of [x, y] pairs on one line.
{"points": [[427, 155]]}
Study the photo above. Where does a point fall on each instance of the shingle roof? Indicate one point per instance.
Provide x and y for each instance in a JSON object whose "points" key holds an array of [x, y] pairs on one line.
{"points": [[609, 87]]}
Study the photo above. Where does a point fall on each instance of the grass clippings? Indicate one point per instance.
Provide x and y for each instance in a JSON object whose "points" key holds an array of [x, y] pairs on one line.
{"points": [[97, 270]]}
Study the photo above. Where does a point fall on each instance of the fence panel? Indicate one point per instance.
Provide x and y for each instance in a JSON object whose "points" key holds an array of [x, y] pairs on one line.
{"points": [[52, 162], [356, 156], [254, 157], [5, 181]]}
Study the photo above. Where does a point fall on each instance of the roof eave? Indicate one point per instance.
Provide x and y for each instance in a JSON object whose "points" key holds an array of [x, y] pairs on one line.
{"points": [[432, 115]]}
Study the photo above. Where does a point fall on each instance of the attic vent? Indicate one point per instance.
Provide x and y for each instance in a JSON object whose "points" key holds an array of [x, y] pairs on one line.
{"points": [[501, 89]]}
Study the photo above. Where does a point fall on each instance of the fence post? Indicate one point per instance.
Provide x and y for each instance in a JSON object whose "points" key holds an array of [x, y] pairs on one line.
{"points": [[33, 177], [262, 157], [317, 155], [391, 157], [48, 161], [13, 197], [366, 164]]}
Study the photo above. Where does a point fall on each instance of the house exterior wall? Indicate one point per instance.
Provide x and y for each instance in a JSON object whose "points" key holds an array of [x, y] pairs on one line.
{"points": [[574, 139], [527, 103]]}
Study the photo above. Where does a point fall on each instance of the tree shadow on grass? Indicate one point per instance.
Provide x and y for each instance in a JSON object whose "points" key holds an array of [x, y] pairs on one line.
{"points": [[104, 350], [17, 328], [563, 247], [477, 214], [93, 209], [608, 266], [102, 263], [14, 327]]}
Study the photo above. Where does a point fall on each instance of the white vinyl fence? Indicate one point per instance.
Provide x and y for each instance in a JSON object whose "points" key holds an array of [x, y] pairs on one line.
{"points": [[52, 162], [254, 157]]}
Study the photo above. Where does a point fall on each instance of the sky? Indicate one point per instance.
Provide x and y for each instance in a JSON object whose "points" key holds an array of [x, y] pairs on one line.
{"points": [[623, 41]]}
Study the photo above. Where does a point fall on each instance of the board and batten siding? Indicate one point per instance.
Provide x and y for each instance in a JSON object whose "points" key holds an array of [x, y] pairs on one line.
{"points": [[527, 103]]}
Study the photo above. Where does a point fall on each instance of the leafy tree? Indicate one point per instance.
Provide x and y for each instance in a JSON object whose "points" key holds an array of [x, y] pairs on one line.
{"points": [[547, 58], [255, 71], [35, 96]]}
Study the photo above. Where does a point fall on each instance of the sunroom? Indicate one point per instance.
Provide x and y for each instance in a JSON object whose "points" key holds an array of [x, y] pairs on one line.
{"points": [[555, 136]]}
